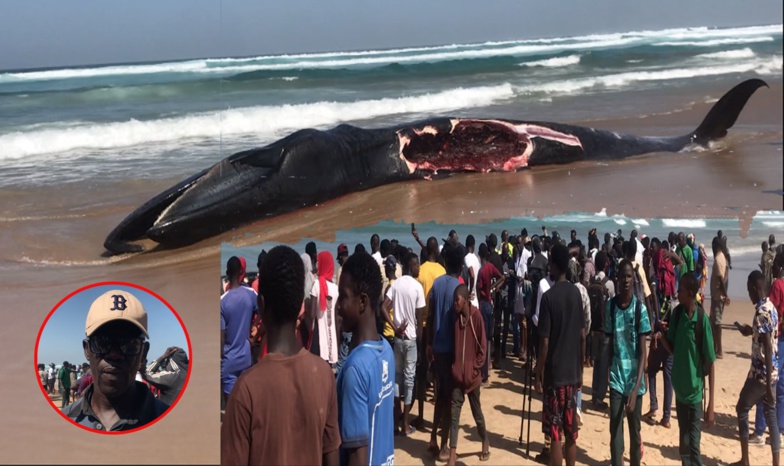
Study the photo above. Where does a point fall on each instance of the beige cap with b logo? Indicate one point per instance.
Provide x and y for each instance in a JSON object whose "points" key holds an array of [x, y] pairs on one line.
{"points": [[116, 305]]}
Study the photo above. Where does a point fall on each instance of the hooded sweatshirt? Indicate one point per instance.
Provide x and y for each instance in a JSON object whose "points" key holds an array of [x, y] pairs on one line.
{"points": [[470, 351]]}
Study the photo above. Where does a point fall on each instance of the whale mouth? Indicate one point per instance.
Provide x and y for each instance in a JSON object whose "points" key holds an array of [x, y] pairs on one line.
{"points": [[474, 145]]}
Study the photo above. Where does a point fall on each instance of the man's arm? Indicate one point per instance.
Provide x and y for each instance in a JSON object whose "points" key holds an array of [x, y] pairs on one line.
{"points": [[385, 308], [471, 279], [235, 429], [770, 389], [416, 237], [544, 346]]}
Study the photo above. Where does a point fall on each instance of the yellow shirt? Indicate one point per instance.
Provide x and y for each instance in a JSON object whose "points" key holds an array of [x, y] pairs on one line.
{"points": [[389, 332], [428, 272], [645, 288]]}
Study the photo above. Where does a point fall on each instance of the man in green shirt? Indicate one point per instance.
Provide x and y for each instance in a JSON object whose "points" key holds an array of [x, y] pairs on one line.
{"points": [[687, 367], [64, 376], [686, 254]]}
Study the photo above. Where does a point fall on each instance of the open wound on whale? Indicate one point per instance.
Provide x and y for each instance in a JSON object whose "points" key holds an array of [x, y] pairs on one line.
{"points": [[475, 145]]}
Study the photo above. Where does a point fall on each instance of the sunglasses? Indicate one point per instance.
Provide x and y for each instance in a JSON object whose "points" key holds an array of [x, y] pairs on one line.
{"points": [[103, 344]]}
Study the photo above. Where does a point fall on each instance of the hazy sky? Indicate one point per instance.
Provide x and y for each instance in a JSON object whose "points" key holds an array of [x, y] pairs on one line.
{"points": [[47, 33], [64, 332]]}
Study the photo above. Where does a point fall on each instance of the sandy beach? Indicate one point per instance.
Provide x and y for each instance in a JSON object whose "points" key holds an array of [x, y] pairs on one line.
{"points": [[52, 245], [502, 400]]}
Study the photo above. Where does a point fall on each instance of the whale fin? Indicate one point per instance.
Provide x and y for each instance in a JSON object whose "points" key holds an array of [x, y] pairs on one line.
{"points": [[725, 112]]}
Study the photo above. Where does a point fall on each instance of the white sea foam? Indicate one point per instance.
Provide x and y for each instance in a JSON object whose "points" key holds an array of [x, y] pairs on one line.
{"points": [[730, 54], [264, 122], [556, 62], [641, 222], [669, 37], [683, 223]]}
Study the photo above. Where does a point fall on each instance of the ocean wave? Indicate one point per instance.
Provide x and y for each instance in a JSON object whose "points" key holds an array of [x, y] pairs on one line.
{"points": [[683, 222], [716, 42], [264, 122], [730, 54], [555, 62], [699, 37]]}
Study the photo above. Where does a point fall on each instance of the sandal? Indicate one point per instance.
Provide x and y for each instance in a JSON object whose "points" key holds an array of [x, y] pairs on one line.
{"points": [[409, 431], [484, 456]]}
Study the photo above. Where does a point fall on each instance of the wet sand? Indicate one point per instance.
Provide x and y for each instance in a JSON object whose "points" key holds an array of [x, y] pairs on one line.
{"points": [[502, 401], [52, 245]]}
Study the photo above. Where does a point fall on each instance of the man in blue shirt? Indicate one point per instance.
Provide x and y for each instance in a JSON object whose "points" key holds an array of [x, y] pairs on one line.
{"points": [[366, 382], [440, 336], [237, 307]]}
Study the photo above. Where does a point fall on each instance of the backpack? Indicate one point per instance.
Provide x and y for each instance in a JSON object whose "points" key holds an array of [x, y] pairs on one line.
{"points": [[704, 367], [598, 294], [637, 317]]}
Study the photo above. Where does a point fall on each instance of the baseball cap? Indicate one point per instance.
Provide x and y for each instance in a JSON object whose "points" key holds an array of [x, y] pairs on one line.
{"points": [[390, 262], [116, 305], [342, 249]]}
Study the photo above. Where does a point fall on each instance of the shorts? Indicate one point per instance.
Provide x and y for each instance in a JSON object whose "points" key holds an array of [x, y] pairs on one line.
{"points": [[559, 413], [716, 311]]}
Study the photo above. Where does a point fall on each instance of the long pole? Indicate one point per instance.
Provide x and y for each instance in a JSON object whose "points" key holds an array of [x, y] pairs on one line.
{"points": [[526, 387], [528, 439]]}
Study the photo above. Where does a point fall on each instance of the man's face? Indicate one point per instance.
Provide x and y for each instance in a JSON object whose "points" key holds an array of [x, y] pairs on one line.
{"points": [[349, 305], [461, 304], [574, 235], [682, 240], [754, 293], [413, 266], [626, 279], [115, 352], [504, 236]]}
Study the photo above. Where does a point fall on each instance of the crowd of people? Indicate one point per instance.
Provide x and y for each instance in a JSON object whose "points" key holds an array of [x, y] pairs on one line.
{"points": [[362, 346]]}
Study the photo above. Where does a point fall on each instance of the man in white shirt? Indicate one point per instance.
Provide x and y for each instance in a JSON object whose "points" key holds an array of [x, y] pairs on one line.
{"points": [[407, 297], [473, 265]]}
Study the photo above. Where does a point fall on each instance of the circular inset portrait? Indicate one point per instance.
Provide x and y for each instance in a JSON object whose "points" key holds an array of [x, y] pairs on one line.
{"points": [[113, 357]]}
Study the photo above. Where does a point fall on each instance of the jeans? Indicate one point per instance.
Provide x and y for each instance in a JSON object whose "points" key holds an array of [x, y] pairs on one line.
{"points": [[601, 366], [617, 412], [752, 392], [759, 420], [689, 430], [499, 317], [661, 359], [487, 315], [405, 369], [458, 398]]}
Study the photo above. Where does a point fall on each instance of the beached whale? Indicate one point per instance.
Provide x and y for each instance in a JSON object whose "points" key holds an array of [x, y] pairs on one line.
{"points": [[312, 166]]}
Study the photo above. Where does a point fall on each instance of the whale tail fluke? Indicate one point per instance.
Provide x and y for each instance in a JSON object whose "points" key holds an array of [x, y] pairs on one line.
{"points": [[725, 112]]}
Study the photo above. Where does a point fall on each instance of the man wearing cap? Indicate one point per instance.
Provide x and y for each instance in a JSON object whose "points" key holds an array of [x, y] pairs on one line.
{"points": [[116, 330], [168, 373]]}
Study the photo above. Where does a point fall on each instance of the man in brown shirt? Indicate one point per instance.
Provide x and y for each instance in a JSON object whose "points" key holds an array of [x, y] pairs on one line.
{"points": [[718, 291], [283, 410]]}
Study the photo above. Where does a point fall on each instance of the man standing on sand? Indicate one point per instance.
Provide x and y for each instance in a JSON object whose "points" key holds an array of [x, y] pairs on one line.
{"points": [[284, 410], [407, 298], [365, 383], [763, 375], [440, 338], [766, 264], [237, 306], [686, 255], [64, 378], [470, 349], [473, 265], [559, 369], [116, 329], [718, 291]]}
